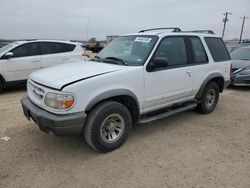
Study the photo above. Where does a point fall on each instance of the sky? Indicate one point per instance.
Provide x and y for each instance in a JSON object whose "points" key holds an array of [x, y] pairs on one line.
{"points": [[83, 19]]}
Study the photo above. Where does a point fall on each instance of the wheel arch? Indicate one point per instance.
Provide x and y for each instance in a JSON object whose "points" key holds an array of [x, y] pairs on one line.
{"points": [[123, 96], [216, 77], [2, 80]]}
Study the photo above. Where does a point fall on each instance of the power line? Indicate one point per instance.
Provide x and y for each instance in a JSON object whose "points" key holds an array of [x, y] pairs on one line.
{"points": [[242, 27], [225, 20]]}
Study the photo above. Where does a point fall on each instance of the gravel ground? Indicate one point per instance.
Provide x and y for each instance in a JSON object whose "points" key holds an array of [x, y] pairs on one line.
{"points": [[185, 150]]}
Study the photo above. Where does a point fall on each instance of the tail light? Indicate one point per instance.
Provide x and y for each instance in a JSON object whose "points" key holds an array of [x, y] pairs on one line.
{"points": [[231, 70], [84, 54]]}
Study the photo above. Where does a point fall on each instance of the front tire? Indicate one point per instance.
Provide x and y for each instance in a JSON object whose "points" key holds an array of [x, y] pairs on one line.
{"points": [[209, 98], [107, 126]]}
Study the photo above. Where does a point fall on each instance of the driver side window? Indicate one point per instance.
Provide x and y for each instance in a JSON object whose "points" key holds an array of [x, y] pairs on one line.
{"points": [[173, 50], [30, 49]]}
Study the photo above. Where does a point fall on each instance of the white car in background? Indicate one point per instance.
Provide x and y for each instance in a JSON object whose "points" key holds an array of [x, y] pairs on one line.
{"points": [[19, 59]]}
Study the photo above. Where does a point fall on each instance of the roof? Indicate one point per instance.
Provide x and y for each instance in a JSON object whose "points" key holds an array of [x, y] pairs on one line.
{"points": [[162, 34], [44, 40], [166, 31]]}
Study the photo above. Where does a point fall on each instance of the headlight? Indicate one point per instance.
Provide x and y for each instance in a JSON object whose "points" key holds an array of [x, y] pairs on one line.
{"points": [[59, 101], [245, 71]]}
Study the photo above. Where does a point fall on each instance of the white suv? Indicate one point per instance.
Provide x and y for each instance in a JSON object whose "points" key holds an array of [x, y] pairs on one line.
{"points": [[19, 59], [137, 78]]}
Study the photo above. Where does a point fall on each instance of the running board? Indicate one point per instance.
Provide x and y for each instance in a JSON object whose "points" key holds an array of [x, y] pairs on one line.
{"points": [[168, 113]]}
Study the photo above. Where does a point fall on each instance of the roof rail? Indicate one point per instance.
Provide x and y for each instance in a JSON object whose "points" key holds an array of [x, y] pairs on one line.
{"points": [[29, 39], [175, 29], [200, 31]]}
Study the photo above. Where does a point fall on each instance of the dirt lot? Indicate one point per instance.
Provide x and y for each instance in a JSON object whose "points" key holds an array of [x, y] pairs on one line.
{"points": [[185, 150]]}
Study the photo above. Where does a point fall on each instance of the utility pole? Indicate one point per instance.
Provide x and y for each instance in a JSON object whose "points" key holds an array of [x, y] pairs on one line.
{"points": [[225, 20], [242, 27], [87, 30]]}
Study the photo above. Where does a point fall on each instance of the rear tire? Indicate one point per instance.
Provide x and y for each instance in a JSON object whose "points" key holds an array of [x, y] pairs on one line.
{"points": [[209, 99], [107, 126], [1, 86]]}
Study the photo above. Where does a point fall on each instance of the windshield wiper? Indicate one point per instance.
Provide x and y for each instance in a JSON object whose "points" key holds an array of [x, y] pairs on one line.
{"points": [[120, 61], [245, 59]]}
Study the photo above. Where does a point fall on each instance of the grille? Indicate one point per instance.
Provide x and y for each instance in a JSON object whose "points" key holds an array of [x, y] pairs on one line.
{"points": [[35, 91]]}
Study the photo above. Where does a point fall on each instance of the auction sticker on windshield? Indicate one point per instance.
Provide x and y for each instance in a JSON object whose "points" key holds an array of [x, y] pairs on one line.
{"points": [[143, 39]]}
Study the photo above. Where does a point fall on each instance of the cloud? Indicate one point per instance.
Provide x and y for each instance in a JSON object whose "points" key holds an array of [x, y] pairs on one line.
{"points": [[63, 19]]}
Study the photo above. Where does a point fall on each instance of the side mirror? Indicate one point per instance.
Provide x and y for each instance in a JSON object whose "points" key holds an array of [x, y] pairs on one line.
{"points": [[159, 62], [8, 55]]}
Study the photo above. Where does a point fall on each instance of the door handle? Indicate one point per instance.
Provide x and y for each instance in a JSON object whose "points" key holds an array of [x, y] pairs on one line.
{"points": [[35, 61], [188, 72]]}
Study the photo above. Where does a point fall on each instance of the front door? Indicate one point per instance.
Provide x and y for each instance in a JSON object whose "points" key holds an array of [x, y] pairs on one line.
{"points": [[26, 59], [165, 86]]}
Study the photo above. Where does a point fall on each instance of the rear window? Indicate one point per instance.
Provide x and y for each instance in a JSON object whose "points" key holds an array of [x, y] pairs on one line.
{"points": [[217, 49], [56, 47]]}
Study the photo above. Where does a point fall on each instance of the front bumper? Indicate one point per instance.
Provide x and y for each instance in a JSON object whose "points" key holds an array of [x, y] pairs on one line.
{"points": [[60, 125], [240, 80]]}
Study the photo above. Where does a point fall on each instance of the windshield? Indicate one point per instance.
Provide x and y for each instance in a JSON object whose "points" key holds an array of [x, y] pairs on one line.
{"points": [[241, 54], [6, 47], [128, 50]]}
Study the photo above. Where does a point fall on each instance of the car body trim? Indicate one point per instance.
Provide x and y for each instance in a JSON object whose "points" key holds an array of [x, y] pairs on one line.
{"points": [[110, 94]]}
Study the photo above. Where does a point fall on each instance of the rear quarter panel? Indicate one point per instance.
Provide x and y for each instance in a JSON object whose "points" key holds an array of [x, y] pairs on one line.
{"points": [[202, 71]]}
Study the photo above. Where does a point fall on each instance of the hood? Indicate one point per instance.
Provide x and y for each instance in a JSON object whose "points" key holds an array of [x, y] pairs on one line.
{"points": [[59, 76], [238, 64]]}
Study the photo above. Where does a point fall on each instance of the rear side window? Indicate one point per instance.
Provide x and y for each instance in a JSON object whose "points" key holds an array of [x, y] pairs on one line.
{"points": [[217, 49], [30, 49], [68, 47], [198, 52], [56, 47]]}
